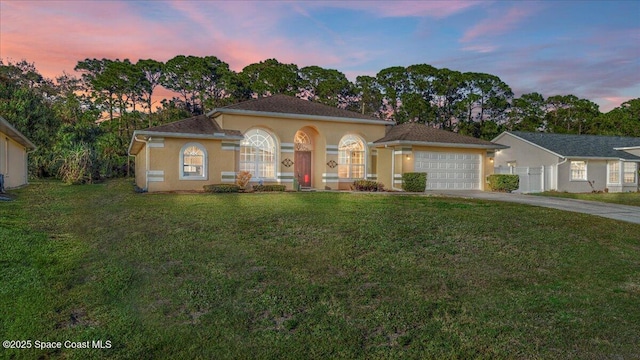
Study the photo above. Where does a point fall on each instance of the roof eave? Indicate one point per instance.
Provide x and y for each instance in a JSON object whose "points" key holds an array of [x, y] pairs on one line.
{"points": [[573, 157], [188, 135], [440, 144], [150, 134], [216, 112], [134, 139], [16, 135]]}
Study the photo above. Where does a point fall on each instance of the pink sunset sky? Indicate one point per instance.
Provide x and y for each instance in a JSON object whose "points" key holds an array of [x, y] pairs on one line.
{"points": [[587, 48]]}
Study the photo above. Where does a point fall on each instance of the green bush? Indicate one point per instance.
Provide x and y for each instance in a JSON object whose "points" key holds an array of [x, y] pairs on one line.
{"points": [[414, 182], [222, 188], [503, 182], [78, 165], [367, 185], [269, 187]]}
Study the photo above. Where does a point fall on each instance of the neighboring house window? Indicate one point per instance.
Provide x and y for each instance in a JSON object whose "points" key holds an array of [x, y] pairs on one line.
{"points": [[614, 172], [629, 173], [193, 162], [351, 158], [258, 154], [578, 170]]}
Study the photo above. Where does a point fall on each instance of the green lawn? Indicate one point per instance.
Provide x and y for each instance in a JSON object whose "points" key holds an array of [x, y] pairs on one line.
{"points": [[629, 198], [312, 275]]}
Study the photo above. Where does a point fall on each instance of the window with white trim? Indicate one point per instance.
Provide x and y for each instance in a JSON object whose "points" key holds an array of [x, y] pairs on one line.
{"points": [[193, 162], [351, 158], [614, 172], [258, 154], [629, 173], [578, 170]]}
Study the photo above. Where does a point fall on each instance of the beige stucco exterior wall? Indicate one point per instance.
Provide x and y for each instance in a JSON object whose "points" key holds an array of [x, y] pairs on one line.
{"points": [[13, 162], [325, 136], [383, 166], [164, 164], [141, 168], [403, 162]]}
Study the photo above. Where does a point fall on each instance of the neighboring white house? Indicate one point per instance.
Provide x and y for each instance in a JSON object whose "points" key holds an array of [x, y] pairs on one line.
{"points": [[13, 155], [571, 163]]}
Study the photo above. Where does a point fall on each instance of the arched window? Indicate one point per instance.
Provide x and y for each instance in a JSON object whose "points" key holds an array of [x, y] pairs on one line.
{"points": [[258, 154], [302, 141], [193, 162], [351, 158]]}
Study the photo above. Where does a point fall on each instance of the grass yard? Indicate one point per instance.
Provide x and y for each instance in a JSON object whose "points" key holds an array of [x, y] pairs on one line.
{"points": [[311, 275], [628, 198]]}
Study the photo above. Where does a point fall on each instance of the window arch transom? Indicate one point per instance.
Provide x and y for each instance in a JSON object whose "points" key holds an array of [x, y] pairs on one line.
{"points": [[193, 162], [302, 141]]}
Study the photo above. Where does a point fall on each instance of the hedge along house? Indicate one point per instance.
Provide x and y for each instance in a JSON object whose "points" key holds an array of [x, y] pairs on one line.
{"points": [[571, 163], [280, 138], [14, 148]]}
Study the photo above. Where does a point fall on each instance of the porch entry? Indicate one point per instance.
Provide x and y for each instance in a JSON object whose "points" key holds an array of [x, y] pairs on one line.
{"points": [[302, 165], [302, 158]]}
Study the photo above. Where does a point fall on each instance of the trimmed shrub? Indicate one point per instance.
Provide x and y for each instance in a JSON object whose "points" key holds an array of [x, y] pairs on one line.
{"points": [[503, 182], [414, 182], [269, 187], [367, 185], [222, 188]]}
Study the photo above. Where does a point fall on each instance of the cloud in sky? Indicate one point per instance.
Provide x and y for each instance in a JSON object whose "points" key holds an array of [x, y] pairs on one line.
{"points": [[499, 23], [590, 49], [403, 8]]}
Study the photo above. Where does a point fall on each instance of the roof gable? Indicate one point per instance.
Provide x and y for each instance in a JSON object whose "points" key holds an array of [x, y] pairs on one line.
{"points": [[588, 146], [284, 104], [423, 134]]}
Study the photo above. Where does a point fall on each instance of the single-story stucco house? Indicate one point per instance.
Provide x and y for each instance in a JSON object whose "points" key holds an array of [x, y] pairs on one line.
{"points": [[571, 163], [279, 138], [13, 156]]}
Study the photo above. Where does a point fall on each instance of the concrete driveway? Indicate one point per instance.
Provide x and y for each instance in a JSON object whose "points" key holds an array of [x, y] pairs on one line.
{"points": [[612, 211]]}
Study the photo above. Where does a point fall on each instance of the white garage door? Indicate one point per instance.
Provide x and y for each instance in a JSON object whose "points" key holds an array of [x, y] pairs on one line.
{"points": [[449, 171]]}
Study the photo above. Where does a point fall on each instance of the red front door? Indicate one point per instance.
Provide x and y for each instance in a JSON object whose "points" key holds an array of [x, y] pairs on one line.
{"points": [[303, 168]]}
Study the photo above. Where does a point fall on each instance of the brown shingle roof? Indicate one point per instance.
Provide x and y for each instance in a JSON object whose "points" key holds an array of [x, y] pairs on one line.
{"points": [[293, 105], [421, 133], [200, 124]]}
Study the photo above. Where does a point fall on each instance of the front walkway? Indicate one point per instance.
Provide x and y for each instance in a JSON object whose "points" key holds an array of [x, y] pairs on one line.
{"points": [[612, 211]]}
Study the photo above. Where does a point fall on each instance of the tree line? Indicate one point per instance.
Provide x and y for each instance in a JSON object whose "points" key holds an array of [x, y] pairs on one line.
{"points": [[83, 125]]}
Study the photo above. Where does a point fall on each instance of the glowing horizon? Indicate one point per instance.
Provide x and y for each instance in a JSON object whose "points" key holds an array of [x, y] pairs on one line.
{"points": [[588, 49]]}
